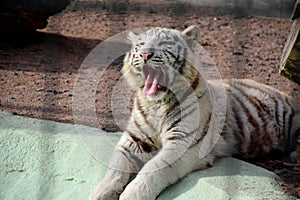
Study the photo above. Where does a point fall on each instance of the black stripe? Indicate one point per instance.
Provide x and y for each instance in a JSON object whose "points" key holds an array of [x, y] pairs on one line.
{"points": [[166, 43], [138, 162], [175, 38], [168, 58], [171, 54], [236, 115], [143, 146], [187, 114], [175, 103], [264, 89], [138, 126], [184, 62], [133, 136], [290, 122], [278, 100], [173, 124], [253, 99], [203, 133], [180, 110], [186, 134], [284, 117], [256, 137], [125, 154], [245, 108], [139, 107], [191, 89], [143, 114], [259, 104], [277, 114], [157, 60], [181, 118], [196, 82], [239, 135], [179, 48], [171, 107]]}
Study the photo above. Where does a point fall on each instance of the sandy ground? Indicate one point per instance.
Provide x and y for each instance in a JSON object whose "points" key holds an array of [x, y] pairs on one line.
{"points": [[38, 71]]}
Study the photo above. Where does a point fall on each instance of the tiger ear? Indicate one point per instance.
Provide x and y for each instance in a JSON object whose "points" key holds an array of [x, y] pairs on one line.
{"points": [[132, 36], [192, 34]]}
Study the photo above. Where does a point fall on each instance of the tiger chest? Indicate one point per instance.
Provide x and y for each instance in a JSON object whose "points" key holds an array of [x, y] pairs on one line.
{"points": [[156, 117], [150, 121]]}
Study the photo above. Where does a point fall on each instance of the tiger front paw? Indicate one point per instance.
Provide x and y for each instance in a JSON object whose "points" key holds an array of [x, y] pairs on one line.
{"points": [[104, 192], [137, 191]]}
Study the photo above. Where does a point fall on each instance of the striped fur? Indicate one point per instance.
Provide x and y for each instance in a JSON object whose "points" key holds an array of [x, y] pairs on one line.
{"points": [[171, 118]]}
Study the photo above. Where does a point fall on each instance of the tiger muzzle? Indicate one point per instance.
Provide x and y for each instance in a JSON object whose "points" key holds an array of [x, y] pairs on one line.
{"points": [[155, 80]]}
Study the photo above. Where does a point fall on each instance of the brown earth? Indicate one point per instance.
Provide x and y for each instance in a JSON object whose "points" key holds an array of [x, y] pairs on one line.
{"points": [[38, 70]]}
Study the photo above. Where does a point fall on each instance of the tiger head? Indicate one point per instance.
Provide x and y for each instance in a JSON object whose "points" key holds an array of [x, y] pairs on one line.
{"points": [[156, 57]]}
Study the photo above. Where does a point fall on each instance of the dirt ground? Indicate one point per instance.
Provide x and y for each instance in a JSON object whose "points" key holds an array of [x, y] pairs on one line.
{"points": [[38, 70]]}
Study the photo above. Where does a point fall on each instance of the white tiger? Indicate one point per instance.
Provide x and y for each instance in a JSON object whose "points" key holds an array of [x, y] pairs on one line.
{"points": [[171, 114]]}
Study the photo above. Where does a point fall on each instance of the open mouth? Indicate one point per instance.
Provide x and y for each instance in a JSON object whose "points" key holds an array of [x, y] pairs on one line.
{"points": [[155, 80]]}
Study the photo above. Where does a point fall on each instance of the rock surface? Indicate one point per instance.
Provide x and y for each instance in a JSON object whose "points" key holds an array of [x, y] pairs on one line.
{"points": [[42, 159]]}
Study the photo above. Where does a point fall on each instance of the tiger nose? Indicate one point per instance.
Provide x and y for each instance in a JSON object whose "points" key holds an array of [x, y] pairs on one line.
{"points": [[146, 55]]}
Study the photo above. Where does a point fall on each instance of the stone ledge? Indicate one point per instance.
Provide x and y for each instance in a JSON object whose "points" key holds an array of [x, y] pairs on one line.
{"points": [[42, 159]]}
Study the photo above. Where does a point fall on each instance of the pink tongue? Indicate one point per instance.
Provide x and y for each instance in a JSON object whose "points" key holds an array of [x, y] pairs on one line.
{"points": [[151, 84]]}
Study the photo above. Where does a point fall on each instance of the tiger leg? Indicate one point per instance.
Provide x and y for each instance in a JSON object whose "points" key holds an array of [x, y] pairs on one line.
{"points": [[122, 165], [158, 173]]}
